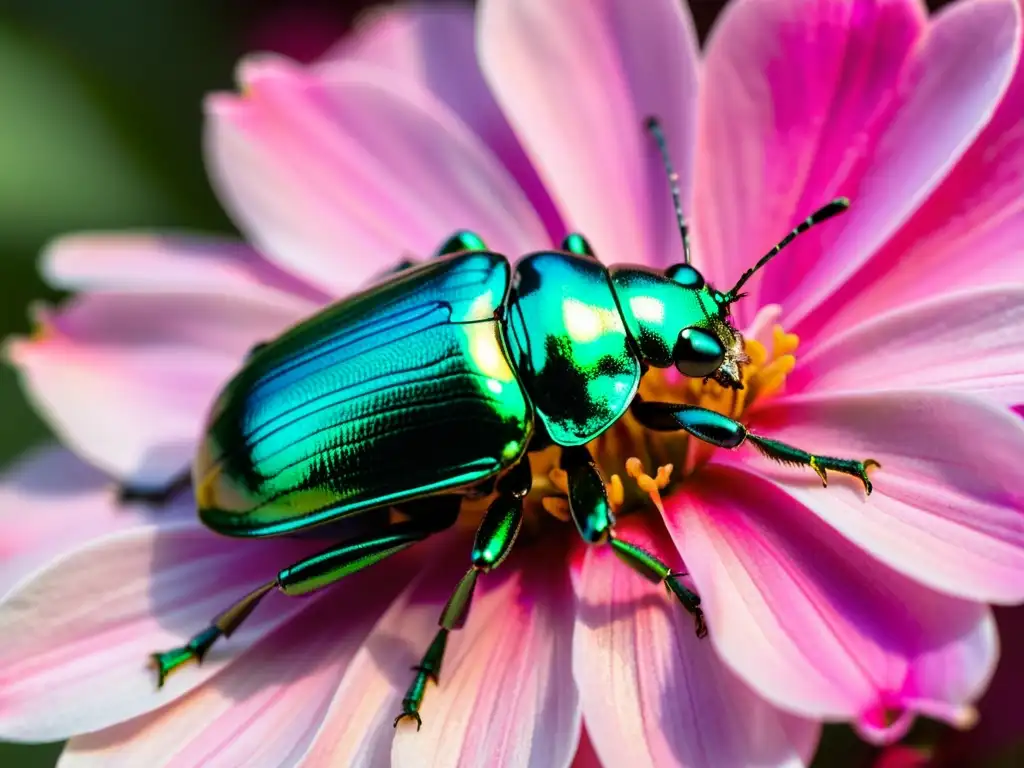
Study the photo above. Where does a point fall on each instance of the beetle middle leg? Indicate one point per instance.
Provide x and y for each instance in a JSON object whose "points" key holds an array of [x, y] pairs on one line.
{"points": [[591, 511], [494, 539], [314, 573], [156, 496], [716, 429]]}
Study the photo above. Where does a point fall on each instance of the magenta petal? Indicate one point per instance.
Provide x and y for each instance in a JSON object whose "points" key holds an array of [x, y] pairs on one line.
{"points": [[266, 708], [126, 380], [948, 505], [788, 94], [948, 94], [506, 695], [51, 502], [433, 45], [978, 210], [653, 693], [577, 80], [338, 174], [132, 263], [817, 625], [968, 341], [78, 635], [908, 108]]}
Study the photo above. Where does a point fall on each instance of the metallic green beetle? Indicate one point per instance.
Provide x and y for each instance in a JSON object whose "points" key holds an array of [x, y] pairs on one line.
{"points": [[485, 364]]}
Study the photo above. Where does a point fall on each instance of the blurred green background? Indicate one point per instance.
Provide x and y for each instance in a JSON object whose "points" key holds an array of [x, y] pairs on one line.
{"points": [[100, 127]]}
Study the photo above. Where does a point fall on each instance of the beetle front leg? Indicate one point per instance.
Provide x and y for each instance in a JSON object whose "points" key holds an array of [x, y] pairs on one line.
{"points": [[591, 511], [494, 539], [716, 429]]}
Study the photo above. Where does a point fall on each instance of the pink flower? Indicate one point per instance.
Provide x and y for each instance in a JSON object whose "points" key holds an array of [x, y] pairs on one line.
{"points": [[822, 604]]}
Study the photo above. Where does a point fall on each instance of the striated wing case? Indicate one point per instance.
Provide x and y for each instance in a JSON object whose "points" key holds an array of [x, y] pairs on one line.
{"points": [[399, 392]]}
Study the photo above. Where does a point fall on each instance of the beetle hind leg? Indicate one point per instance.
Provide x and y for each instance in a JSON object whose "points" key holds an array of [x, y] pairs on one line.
{"points": [[199, 645], [301, 578], [494, 539]]}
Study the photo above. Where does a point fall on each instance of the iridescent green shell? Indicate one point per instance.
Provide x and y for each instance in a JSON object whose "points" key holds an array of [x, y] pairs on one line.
{"points": [[400, 392]]}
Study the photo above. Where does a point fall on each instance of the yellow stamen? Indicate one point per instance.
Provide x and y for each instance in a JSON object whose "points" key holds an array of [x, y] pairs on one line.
{"points": [[629, 449]]}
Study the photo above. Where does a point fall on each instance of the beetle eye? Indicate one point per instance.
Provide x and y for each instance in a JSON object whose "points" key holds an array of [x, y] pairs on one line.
{"points": [[698, 353]]}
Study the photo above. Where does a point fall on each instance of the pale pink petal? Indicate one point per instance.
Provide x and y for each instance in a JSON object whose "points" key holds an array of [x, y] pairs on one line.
{"points": [[339, 174], [126, 379], [577, 79], [357, 727], [653, 693], [971, 341], [948, 504], [433, 45], [78, 635], [970, 232], [872, 110], [264, 709], [814, 623], [145, 263], [506, 694], [52, 502]]}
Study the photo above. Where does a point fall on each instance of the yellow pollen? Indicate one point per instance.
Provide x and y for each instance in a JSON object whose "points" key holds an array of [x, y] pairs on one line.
{"points": [[628, 449], [558, 506], [631, 448]]}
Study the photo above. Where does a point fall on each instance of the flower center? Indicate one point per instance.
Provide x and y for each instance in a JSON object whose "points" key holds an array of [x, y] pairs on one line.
{"points": [[658, 460], [652, 462]]}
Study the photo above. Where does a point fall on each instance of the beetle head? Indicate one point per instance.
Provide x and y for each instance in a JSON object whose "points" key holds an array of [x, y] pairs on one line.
{"points": [[711, 347]]}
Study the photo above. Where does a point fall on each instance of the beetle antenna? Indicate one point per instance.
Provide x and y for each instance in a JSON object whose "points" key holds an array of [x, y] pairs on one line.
{"points": [[827, 211], [654, 126]]}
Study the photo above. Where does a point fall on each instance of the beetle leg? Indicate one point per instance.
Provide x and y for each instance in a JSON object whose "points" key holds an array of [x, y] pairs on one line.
{"points": [[577, 243], [494, 539], [592, 513], [463, 240], [716, 429], [157, 497], [301, 578]]}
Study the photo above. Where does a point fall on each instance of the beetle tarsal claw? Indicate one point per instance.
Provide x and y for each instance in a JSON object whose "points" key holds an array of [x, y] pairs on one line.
{"points": [[412, 716], [858, 469], [819, 471]]}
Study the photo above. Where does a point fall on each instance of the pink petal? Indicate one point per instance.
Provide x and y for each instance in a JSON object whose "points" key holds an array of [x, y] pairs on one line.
{"points": [[814, 623], [78, 635], [948, 500], [967, 341], [586, 756], [978, 209], [653, 693], [126, 380], [338, 175], [506, 695], [357, 727], [133, 263], [905, 108], [577, 80], [433, 45], [265, 709], [1001, 719], [51, 503], [789, 89]]}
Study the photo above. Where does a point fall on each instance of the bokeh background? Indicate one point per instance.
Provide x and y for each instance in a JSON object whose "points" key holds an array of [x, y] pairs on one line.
{"points": [[100, 128]]}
